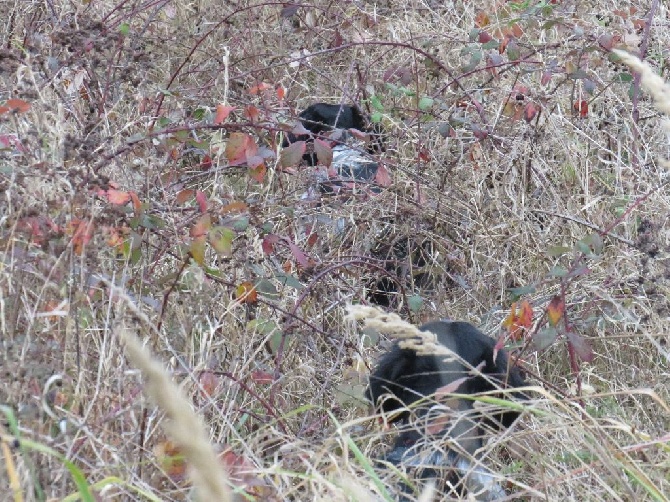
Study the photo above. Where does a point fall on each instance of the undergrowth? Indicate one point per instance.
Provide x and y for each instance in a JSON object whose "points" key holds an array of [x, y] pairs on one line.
{"points": [[522, 188]]}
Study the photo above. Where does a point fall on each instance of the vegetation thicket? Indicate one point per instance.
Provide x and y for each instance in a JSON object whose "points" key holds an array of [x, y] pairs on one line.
{"points": [[147, 207]]}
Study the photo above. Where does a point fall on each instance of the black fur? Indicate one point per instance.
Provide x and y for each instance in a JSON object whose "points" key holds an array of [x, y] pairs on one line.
{"points": [[408, 377], [402, 377]]}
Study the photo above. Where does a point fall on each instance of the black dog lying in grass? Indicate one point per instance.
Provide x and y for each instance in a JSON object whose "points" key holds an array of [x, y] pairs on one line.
{"points": [[405, 380], [321, 118]]}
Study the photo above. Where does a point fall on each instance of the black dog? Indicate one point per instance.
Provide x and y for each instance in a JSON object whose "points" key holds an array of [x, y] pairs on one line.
{"points": [[321, 118], [403, 377]]}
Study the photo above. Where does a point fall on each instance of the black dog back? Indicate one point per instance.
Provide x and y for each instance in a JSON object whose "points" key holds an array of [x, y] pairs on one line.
{"points": [[402, 377], [408, 377]]}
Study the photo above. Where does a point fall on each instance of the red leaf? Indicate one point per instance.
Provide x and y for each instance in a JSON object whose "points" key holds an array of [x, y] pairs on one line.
{"points": [[201, 199], [292, 154], [234, 207], [582, 107], [518, 323], [257, 89], [281, 93], [337, 40], [117, 196], [262, 377], [298, 254], [208, 383], [206, 162], [137, 205], [268, 244], [530, 111], [484, 37], [526, 315], [246, 293], [222, 112], [383, 178], [82, 233], [18, 105], [252, 113]]}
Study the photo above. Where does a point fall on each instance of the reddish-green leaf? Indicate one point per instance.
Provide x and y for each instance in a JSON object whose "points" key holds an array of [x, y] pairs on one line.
{"points": [[221, 239], [222, 112], [292, 154], [257, 172], [239, 147], [197, 250], [555, 310], [544, 338], [201, 226], [581, 347], [324, 153], [246, 293]]}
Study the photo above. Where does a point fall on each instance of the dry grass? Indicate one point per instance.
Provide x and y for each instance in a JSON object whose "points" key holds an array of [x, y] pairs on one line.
{"points": [[494, 164]]}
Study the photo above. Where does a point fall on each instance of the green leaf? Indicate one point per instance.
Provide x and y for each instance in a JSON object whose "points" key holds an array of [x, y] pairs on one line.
{"points": [[415, 302], [266, 288], [263, 326], [290, 281], [241, 224], [578, 74], [558, 272], [84, 491], [544, 338], [425, 103], [623, 77], [135, 138], [521, 291], [124, 29], [199, 113], [593, 244], [376, 103], [557, 251], [197, 250]]}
